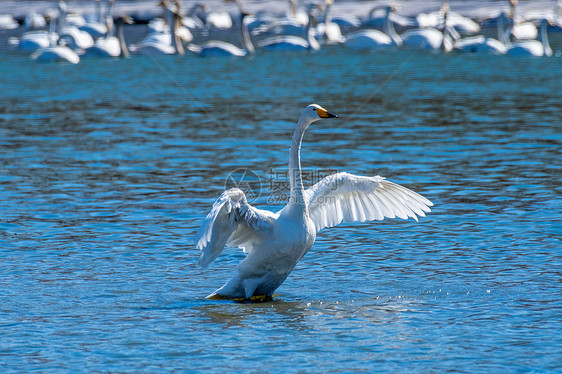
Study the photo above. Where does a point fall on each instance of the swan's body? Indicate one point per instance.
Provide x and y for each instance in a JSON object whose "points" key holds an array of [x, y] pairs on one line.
{"points": [[480, 44], [7, 22], [56, 53], [76, 38], [105, 47], [428, 39], [275, 242], [34, 21], [34, 40], [368, 39], [291, 42], [463, 25]]}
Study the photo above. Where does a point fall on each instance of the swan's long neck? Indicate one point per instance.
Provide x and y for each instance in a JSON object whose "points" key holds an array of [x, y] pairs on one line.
{"points": [[246, 37], [52, 31], [312, 42], [295, 177], [389, 28], [173, 21], [544, 38], [503, 34], [121, 37]]}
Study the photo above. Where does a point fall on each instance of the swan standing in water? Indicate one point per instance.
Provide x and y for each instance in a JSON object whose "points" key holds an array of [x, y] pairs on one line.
{"points": [[275, 242]]}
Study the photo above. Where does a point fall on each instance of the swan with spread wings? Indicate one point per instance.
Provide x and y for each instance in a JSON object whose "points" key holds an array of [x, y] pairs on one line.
{"points": [[275, 242]]}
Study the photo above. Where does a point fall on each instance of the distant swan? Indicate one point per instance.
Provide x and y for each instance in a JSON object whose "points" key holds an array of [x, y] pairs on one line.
{"points": [[110, 45], [295, 43], [427, 38], [375, 39], [275, 242], [530, 47], [164, 42], [475, 44], [220, 48], [54, 52]]}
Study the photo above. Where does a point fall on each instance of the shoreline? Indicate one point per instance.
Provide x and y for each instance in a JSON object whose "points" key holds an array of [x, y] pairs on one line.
{"points": [[145, 10]]}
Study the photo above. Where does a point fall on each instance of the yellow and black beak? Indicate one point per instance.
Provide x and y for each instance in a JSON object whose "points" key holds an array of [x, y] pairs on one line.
{"points": [[323, 113]]}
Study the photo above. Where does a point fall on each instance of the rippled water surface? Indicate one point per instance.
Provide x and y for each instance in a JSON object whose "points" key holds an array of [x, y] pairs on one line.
{"points": [[108, 168]]}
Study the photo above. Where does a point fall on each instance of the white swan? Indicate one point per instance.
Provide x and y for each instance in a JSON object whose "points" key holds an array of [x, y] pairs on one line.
{"points": [[275, 242], [426, 38], [378, 17], [7, 22], [163, 43], [295, 43], [56, 53], [375, 39], [423, 38], [329, 31], [530, 47], [463, 25], [481, 43], [34, 21], [110, 45], [97, 26], [220, 48], [521, 30], [31, 41], [69, 33], [294, 23], [367, 39]]}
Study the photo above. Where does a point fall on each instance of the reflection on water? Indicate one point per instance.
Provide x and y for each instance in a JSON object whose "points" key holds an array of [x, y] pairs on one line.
{"points": [[110, 166]]}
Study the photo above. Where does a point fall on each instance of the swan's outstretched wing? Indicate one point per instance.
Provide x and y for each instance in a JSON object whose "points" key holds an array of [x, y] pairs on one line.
{"points": [[345, 197], [231, 222]]}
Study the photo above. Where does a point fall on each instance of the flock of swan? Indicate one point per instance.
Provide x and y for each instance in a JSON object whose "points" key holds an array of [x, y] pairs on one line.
{"points": [[66, 36], [276, 241]]}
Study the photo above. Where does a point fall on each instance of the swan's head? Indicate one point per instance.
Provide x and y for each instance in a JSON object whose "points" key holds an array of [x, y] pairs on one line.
{"points": [[314, 112]]}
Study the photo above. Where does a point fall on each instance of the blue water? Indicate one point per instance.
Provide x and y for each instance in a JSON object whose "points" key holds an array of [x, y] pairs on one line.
{"points": [[108, 167]]}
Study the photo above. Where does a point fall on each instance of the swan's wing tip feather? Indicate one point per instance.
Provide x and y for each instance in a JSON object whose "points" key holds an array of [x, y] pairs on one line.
{"points": [[344, 197]]}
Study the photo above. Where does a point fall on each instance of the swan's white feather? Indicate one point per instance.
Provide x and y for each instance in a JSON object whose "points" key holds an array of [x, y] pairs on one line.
{"points": [[231, 222], [344, 197]]}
